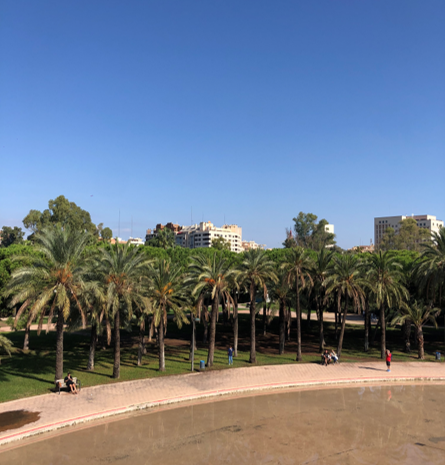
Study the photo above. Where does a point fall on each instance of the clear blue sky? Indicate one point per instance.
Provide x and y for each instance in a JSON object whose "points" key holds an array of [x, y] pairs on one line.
{"points": [[245, 110]]}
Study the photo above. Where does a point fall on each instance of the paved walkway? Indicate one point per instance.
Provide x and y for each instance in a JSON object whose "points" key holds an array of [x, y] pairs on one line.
{"points": [[57, 411]]}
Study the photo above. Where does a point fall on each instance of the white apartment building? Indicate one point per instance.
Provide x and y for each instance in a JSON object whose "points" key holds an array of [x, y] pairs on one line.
{"points": [[201, 236], [423, 221], [136, 241], [329, 228]]}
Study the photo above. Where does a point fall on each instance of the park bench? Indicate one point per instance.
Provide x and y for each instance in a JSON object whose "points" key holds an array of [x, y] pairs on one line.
{"points": [[60, 383]]}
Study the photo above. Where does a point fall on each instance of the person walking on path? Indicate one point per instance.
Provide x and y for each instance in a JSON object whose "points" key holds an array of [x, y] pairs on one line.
{"points": [[388, 360], [230, 354]]}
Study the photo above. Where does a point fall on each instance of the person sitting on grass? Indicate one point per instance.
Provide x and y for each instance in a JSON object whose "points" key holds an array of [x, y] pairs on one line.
{"points": [[70, 383]]}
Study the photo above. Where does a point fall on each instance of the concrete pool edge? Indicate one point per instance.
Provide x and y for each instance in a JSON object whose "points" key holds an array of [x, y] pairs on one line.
{"points": [[210, 394]]}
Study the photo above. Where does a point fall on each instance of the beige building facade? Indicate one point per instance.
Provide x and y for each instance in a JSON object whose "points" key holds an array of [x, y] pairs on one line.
{"points": [[247, 245], [201, 236], [430, 222]]}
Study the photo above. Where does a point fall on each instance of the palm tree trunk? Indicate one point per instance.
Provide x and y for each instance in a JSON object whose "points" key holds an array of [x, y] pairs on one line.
{"points": [[141, 341], [59, 346], [288, 312], [235, 326], [206, 325], [224, 311], [297, 307], [192, 336], [406, 329], [213, 317], [383, 327], [26, 339], [161, 344], [366, 326], [420, 343], [337, 312], [343, 326], [252, 359], [93, 342], [320, 326], [264, 319], [282, 328], [117, 346], [151, 331]]}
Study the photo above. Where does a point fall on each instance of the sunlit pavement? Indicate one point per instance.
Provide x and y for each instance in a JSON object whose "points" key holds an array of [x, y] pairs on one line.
{"points": [[57, 411]]}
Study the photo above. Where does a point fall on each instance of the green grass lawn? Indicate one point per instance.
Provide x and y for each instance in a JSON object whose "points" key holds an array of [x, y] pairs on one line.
{"points": [[32, 373]]}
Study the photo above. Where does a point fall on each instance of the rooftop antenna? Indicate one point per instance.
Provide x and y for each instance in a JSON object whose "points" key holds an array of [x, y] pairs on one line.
{"points": [[224, 219], [132, 226], [191, 215]]}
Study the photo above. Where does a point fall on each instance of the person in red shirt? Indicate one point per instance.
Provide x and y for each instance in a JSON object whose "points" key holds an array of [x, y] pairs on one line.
{"points": [[388, 360]]}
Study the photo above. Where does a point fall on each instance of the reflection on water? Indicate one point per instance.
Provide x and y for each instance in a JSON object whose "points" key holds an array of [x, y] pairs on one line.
{"points": [[385, 424]]}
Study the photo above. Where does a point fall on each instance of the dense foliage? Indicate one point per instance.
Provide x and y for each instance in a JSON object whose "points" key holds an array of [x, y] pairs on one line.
{"points": [[77, 281]]}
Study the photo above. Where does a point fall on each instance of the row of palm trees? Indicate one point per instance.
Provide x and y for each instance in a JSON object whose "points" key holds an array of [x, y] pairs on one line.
{"points": [[115, 285]]}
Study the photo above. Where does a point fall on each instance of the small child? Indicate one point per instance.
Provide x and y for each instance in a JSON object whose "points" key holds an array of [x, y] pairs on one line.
{"points": [[388, 360], [230, 354]]}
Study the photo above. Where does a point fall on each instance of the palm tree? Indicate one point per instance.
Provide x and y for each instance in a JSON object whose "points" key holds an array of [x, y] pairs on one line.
{"points": [[54, 280], [418, 314], [298, 266], [255, 270], [430, 269], [123, 271], [319, 272], [385, 279], [166, 293], [345, 278], [5, 345], [214, 275], [234, 287], [280, 292]]}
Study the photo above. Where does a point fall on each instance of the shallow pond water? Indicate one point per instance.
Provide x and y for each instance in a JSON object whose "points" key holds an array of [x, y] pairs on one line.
{"points": [[401, 424]]}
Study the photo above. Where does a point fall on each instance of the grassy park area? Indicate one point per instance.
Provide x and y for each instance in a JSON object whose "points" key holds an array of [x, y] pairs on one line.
{"points": [[32, 373]]}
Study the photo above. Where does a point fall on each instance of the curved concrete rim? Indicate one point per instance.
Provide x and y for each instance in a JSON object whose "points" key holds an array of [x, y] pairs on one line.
{"points": [[209, 394]]}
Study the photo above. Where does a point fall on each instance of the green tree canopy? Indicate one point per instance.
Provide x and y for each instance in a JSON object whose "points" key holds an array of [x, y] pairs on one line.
{"points": [[11, 235], [106, 234], [410, 237], [308, 233], [220, 243], [61, 212], [164, 239], [53, 281]]}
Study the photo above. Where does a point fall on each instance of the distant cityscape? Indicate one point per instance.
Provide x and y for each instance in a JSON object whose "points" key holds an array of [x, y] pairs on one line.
{"points": [[202, 234]]}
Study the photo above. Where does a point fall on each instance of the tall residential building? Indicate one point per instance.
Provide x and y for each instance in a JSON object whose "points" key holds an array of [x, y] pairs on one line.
{"points": [[423, 221], [201, 236]]}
